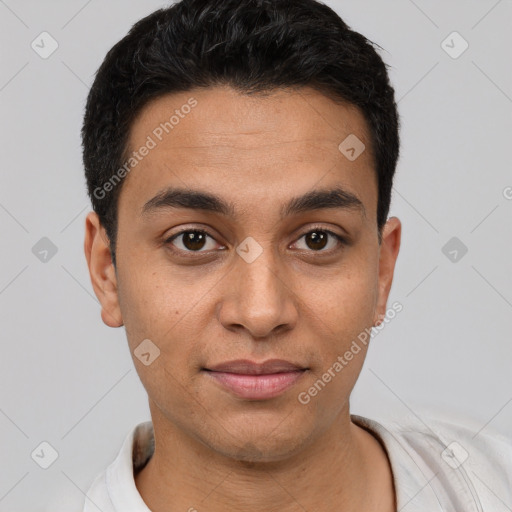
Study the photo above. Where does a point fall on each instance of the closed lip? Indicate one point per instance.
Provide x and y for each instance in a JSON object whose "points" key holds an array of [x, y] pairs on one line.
{"points": [[247, 367]]}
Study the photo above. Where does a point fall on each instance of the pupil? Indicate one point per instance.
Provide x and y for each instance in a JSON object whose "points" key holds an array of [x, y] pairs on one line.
{"points": [[193, 240], [318, 239]]}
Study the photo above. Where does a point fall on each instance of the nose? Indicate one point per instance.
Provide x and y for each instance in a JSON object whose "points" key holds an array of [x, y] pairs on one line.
{"points": [[258, 298]]}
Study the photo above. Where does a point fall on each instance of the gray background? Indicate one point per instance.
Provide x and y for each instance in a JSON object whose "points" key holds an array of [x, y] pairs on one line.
{"points": [[69, 380]]}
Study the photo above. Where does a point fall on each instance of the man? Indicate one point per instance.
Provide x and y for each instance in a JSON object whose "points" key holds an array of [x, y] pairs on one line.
{"points": [[240, 157]]}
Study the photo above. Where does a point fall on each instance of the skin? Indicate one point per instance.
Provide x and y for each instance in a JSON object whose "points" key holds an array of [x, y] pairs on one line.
{"points": [[297, 301]]}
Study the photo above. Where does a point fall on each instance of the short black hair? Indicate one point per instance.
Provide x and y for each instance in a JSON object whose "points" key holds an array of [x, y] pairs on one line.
{"points": [[252, 46]]}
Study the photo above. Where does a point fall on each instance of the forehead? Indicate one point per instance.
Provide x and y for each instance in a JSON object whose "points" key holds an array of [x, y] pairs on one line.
{"points": [[253, 148]]}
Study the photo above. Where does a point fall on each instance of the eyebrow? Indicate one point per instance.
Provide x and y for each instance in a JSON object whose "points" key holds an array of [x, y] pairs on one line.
{"points": [[336, 198]]}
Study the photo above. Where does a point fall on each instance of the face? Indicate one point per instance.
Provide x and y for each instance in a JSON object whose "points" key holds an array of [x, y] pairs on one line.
{"points": [[244, 233]]}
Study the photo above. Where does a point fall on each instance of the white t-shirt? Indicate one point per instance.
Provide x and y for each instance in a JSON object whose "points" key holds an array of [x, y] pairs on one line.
{"points": [[440, 467]]}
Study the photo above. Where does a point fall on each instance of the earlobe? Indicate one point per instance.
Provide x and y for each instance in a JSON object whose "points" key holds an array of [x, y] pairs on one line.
{"points": [[389, 249], [101, 270]]}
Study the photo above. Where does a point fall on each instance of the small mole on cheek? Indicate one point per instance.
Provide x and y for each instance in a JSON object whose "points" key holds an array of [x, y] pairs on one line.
{"points": [[177, 312]]}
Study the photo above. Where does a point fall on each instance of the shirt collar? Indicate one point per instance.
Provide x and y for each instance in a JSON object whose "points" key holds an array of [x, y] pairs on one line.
{"points": [[423, 481]]}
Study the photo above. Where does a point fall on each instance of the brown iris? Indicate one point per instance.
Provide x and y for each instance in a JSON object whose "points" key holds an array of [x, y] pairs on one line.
{"points": [[316, 239], [194, 240]]}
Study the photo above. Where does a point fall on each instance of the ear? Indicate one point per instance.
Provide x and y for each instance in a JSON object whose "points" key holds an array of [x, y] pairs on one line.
{"points": [[390, 246], [101, 270]]}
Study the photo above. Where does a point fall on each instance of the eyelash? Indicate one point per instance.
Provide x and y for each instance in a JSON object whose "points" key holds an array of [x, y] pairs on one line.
{"points": [[341, 240]]}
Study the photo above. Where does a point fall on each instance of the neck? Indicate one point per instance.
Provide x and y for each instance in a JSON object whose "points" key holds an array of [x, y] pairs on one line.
{"points": [[346, 470]]}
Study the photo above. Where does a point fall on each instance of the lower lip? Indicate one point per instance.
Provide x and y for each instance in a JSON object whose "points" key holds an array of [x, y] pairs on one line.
{"points": [[257, 387]]}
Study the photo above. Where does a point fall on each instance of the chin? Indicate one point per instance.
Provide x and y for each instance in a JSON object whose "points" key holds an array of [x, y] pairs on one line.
{"points": [[268, 446]]}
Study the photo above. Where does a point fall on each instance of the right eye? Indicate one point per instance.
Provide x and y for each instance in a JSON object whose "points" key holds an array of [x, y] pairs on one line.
{"points": [[190, 240]]}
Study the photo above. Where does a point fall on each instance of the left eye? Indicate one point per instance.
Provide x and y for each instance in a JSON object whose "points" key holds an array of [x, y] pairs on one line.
{"points": [[319, 239]]}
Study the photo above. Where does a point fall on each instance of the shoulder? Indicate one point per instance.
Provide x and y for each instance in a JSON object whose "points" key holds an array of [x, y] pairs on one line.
{"points": [[459, 454], [483, 452], [114, 488], [97, 495]]}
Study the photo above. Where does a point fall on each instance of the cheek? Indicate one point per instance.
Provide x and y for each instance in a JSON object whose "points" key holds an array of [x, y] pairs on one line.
{"points": [[346, 303], [149, 306], [159, 304], [153, 309], [343, 316]]}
